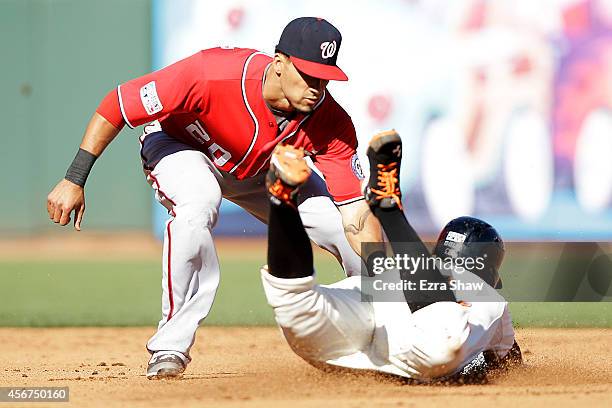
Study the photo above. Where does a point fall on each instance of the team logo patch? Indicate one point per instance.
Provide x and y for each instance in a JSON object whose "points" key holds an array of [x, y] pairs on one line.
{"points": [[356, 166], [328, 49], [149, 98]]}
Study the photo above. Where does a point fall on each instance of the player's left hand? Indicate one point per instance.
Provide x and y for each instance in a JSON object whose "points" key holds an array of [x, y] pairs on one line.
{"points": [[63, 199]]}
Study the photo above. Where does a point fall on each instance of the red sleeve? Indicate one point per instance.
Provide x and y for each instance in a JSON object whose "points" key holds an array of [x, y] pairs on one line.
{"points": [[109, 109], [177, 88], [340, 165]]}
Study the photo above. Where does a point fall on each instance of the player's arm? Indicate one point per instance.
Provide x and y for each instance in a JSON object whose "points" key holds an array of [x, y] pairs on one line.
{"points": [[69, 194], [176, 88], [360, 225]]}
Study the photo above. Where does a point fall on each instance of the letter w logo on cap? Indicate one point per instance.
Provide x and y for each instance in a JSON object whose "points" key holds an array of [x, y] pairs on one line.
{"points": [[328, 49]]}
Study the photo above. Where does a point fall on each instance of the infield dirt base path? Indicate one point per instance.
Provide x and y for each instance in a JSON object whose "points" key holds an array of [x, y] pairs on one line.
{"points": [[255, 367]]}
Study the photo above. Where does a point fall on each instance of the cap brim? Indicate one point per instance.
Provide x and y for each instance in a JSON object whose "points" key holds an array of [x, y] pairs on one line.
{"points": [[316, 70]]}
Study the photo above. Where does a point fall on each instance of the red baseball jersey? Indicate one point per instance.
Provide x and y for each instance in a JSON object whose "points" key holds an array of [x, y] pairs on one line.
{"points": [[213, 101]]}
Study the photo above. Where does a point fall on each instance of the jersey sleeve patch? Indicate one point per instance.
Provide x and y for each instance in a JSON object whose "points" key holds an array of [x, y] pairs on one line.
{"points": [[356, 166], [149, 99]]}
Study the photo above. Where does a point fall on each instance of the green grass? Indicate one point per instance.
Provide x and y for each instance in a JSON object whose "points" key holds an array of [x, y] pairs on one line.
{"points": [[127, 293], [561, 314]]}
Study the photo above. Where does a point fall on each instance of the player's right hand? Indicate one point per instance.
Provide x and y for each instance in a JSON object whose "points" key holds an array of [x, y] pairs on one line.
{"points": [[63, 199]]}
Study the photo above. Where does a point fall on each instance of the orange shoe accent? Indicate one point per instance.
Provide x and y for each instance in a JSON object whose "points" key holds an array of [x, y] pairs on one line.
{"points": [[282, 192], [388, 183]]}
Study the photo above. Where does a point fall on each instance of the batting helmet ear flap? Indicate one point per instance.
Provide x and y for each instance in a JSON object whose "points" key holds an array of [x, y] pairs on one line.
{"points": [[468, 237]]}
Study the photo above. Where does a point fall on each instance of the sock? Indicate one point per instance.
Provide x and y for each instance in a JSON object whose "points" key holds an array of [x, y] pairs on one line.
{"points": [[289, 250], [398, 230]]}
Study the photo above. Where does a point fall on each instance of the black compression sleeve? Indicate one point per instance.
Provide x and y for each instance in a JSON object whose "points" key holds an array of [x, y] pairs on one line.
{"points": [[289, 250], [80, 167]]}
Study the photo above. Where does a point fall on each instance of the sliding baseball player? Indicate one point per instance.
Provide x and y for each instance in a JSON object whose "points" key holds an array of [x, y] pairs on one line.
{"points": [[427, 336]]}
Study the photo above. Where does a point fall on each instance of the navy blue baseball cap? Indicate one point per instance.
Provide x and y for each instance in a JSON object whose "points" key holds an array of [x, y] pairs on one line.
{"points": [[312, 45]]}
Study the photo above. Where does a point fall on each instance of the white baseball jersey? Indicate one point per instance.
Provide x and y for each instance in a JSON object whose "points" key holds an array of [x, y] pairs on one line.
{"points": [[331, 324]]}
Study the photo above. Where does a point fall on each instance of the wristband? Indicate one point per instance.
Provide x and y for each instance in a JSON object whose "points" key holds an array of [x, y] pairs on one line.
{"points": [[80, 167]]}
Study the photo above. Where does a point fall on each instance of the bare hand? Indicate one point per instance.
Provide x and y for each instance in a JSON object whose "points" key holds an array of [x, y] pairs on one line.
{"points": [[63, 199]]}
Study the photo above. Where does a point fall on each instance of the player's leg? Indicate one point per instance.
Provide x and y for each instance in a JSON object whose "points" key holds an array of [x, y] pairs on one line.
{"points": [[184, 183], [289, 250], [383, 195], [318, 323]]}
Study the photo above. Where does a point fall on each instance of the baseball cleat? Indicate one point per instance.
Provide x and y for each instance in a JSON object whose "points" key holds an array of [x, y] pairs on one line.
{"points": [[165, 366], [288, 171], [385, 155]]}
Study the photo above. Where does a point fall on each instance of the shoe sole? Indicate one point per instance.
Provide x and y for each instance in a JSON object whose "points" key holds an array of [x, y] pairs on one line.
{"points": [[381, 139], [163, 374], [165, 370], [299, 169]]}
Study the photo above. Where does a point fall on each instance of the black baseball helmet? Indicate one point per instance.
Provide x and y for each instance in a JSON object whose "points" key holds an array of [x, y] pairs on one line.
{"points": [[468, 237]]}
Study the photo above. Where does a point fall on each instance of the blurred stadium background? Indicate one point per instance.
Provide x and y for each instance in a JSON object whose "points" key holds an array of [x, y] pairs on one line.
{"points": [[505, 107]]}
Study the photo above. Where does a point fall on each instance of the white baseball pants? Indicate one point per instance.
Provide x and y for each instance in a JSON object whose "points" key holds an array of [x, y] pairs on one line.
{"points": [[188, 184], [332, 324]]}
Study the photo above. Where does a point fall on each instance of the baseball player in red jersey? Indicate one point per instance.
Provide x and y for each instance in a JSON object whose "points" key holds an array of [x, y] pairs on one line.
{"points": [[212, 122]]}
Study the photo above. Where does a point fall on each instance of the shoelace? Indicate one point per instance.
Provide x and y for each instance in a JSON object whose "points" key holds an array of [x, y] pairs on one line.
{"points": [[388, 183]]}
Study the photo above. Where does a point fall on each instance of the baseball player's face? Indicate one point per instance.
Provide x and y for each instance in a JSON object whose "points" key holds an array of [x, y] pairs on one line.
{"points": [[301, 90]]}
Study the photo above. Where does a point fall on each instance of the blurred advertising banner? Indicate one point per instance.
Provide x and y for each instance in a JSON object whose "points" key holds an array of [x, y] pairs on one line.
{"points": [[504, 106]]}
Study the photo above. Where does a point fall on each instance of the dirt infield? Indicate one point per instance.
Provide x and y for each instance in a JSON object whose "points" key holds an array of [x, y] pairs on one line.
{"points": [[254, 367]]}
